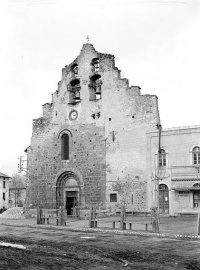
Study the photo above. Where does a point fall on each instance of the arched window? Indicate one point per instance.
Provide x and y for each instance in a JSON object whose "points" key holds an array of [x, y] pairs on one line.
{"points": [[196, 155], [95, 87], [95, 63], [162, 158], [74, 89], [74, 69], [65, 147], [163, 199]]}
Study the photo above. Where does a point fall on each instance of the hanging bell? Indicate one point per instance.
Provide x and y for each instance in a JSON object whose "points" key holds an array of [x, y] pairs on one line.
{"points": [[96, 65], [77, 96], [98, 90], [98, 96]]}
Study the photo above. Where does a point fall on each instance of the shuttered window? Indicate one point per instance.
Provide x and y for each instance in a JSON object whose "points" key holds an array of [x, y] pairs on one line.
{"points": [[196, 155], [113, 197], [162, 158]]}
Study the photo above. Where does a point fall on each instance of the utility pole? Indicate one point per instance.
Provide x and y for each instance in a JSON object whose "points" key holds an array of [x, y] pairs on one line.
{"points": [[15, 195], [20, 164], [155, 209], [197, 168]]}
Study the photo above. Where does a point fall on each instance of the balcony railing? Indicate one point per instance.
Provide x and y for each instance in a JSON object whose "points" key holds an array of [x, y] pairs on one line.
{"points": [[184, 172]]}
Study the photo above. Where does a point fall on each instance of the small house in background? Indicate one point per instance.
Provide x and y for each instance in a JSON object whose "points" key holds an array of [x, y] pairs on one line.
{"points": [[17, 191], [4, 191]]}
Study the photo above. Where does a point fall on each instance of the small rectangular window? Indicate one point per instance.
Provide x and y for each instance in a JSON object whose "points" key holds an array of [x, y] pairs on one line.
{"points": [[113, 197], [4, 196], [4, 184], [196, 198]]}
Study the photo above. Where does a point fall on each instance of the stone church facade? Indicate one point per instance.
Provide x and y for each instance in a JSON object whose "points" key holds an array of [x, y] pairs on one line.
{"points": [[91, 144]]}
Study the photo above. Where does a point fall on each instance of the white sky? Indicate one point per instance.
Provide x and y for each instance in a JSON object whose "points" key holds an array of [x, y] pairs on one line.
{"points": [[156, 44]]}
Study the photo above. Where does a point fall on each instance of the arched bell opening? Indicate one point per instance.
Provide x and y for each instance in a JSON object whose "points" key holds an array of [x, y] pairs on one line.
{"points": [[74, 89], [95, 64], [74, 69], [95, 87], [68, 192]]}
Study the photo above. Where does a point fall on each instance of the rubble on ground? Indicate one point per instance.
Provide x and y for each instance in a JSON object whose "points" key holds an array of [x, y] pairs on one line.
{"points": [[13, 213]]}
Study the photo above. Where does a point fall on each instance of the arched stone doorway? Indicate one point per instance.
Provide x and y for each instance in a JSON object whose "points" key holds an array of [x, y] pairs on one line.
{"points": [[163, 199], [68, 192]]}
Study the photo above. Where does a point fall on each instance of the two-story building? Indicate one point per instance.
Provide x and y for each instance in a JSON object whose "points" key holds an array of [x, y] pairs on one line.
{"points": [[4, 190], [179, 169]]}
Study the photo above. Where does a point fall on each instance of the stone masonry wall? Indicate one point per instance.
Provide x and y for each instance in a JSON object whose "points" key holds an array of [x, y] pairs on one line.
{"points": [[87, 156], [107, 139]]}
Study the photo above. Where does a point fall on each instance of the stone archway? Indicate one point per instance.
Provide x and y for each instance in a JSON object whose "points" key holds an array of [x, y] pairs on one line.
{"points": [[68, 191]]}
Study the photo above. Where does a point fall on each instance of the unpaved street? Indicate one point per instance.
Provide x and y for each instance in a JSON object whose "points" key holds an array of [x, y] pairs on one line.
{"points": [[56, 249]]}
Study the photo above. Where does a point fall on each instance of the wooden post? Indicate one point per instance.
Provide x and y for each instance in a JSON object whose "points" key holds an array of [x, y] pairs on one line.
{"points": [[90, 217], [130, 226], [124, 225], [123, 218], [59, 215], [62, 216], [155, 219], [78, 212], [94, 213], [39, 215]]}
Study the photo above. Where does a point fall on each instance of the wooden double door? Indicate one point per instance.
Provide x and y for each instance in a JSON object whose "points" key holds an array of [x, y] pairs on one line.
{"points": [[163, 199], [71, 201]]}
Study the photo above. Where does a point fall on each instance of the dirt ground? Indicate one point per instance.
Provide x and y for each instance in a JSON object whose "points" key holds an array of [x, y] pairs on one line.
{"points": [[56, 249], [182, 225]]}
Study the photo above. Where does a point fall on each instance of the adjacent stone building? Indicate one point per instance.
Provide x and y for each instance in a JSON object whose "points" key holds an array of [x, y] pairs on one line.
{"points": [[91, 144]]}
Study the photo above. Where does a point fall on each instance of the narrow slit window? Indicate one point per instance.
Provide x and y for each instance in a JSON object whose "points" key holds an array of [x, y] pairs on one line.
{"points": [[65, 147], [4, 184]]}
